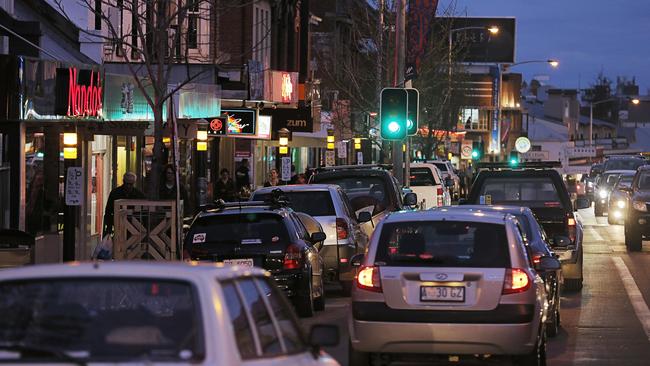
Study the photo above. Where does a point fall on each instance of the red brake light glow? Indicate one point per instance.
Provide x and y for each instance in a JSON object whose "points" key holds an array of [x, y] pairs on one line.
{"points": [[341, 229], [368, 279], [292, 257], [516, 280]]}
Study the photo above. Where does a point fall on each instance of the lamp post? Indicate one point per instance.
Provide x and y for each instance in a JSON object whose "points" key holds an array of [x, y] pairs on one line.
{"points": [[69, 211], [634, 101]]}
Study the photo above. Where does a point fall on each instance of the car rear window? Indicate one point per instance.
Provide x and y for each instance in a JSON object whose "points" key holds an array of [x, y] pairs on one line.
{"points": [[364, 192], [524, 191], [422, 177], [443, 244], [441, 166], [239, 228], [623, 164], [303, 201], [103, 319]]}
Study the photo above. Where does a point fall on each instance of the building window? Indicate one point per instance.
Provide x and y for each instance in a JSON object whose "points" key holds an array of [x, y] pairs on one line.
{"points": [[134, 29], [119, 49], [261, 34], [192, 24], [98, 14]]}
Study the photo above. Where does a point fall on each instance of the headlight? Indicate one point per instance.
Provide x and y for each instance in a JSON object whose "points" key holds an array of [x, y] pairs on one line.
{"points": [[603, 193], [590, 184], [639, 206], [620, 204]]}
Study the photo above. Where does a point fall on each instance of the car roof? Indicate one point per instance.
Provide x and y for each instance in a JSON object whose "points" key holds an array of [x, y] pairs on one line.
{"points": [[644, 167], [520, 172], [620, 171], [234, 210], [129, 269], [299, 188], [506, 209], [424, 165], [446, 214]]}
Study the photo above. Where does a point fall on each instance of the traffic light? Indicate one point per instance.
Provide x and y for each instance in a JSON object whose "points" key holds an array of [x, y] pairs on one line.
{"points": [[513, 160], [393, 113], [412, 111], [477, 150]]}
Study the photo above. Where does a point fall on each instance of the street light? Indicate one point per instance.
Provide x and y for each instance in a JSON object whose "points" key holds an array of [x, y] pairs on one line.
{"points": [[554, 63], [634, 101]]}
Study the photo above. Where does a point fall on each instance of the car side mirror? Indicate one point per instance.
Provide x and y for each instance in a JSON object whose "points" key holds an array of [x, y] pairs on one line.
{"points": [[548, 264], [317, 237], [560, 241], [364, 216], [582, 203], [324, 335], [411, 199], [356, 260]]}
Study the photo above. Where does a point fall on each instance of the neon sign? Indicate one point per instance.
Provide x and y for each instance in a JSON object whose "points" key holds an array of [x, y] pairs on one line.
{"points": [[84, 100], [287, 87]]}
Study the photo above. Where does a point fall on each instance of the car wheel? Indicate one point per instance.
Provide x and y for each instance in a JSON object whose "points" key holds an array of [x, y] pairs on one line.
{"points": [[357, 357], [553, 324], [305, 303], [537, 357], [346, 288], [573, 284], [597, 210], [319, 303], [633, 239]]}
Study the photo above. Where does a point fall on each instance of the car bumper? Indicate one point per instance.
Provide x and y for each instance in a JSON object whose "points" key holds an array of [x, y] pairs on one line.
{"points": [[291, 284], [337, 266]]}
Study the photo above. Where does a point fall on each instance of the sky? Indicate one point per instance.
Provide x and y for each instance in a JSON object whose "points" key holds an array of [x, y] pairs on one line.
{"points": [[586, 36]]}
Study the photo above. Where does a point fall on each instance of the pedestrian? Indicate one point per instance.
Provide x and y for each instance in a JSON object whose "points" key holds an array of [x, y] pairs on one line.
{"points": [[224, 189], [300, 179], [168, 188], [294, 176], [273, 179], [242, 175], [126, 191]]}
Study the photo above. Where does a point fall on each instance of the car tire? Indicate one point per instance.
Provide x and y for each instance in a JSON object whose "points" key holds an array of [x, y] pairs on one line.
{"points": [[598, 211], [573, 284], [319, 303], [633, 240], [553, 325], [305, 303], [346, 288], [357, 357], [537, 357]]}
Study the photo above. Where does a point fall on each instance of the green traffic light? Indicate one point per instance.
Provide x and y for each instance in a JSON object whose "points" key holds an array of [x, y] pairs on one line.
{"points": [[393, 127], [474, 154], [514, 162]]}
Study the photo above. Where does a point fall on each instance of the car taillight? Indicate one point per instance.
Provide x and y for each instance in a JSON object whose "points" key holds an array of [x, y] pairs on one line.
{"points": [[439, 192], [292, 257], [571, 227], [537, 258], [516, 280], [368, 279], [341, 229]]}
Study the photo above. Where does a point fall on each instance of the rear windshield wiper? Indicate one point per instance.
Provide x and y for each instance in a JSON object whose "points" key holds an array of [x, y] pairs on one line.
{"points": [[40, 352]]}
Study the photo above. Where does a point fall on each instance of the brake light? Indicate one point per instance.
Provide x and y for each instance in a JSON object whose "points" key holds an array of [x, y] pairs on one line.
{"points": [[516, 280], [571, 227], [292, 257], [341, 228], [368, 279], [439, 193], [537, 258]]}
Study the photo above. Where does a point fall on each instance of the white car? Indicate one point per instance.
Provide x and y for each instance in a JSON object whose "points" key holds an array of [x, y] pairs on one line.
{"points": [[427, 182], [142, 313], [447, 170]]}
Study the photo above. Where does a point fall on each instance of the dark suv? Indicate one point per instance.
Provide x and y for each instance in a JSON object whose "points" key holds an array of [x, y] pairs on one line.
{"points": [[543, 190], [637, 221], [266, 235]]}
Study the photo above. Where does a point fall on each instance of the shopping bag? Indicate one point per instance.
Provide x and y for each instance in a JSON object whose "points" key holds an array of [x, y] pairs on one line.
{"points": [[104, 250]]}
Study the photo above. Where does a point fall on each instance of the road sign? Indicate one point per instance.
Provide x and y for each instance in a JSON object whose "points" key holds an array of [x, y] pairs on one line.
{"points": [[74, 186], [330, 158], [359, 158], [286, 169], [522, 144], [466, 149], [342, 149]]}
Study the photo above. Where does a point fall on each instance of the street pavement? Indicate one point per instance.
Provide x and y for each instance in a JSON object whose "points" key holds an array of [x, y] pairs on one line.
{"points": [[607, 323]]}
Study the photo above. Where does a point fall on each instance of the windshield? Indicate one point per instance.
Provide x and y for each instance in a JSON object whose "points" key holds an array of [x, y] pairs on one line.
{"points": [[102, 319], [625, 181], [644, 181], [531, 192], [239, 228], [608, 179], [303, 201], [422, 177], [623, 164], [443, 244], [365, 193]]}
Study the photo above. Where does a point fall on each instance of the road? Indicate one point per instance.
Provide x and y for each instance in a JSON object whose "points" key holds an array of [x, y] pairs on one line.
{"points": [[607, 323]]}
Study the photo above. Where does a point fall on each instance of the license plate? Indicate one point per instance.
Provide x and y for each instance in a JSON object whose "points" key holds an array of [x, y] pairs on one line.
{"points": [[244, 262], [442, 293]]}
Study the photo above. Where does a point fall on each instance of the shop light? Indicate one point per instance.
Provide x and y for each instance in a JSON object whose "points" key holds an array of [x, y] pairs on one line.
{"points": [[167, 140], [70, 138], [283, 140], [201, 140], [357, 143], [69, 153], [69, 145], [330, 146], [284, 150]]}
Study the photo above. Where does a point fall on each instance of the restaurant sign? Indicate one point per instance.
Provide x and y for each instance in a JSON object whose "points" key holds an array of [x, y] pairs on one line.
{"points": [[79, 93]]}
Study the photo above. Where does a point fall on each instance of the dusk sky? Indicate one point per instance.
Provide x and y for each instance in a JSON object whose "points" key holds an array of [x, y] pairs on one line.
{"points": [[584, 35]]}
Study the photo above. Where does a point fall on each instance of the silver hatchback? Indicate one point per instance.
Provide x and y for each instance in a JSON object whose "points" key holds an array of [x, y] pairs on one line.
{"points": [[450, 285]]}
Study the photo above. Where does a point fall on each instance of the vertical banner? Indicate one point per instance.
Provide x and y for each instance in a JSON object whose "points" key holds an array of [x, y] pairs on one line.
{"points": [[495, 143], [418, 29]]}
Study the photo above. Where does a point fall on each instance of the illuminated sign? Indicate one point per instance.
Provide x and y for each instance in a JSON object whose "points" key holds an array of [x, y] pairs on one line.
{"points": [[217, 127], [287, 87], [281, 87], [240, 123], [79, 93]]}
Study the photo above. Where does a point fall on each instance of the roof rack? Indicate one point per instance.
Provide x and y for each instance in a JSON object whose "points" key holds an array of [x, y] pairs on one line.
{"points": [[350, 167], [277, 200], [523, 165]]}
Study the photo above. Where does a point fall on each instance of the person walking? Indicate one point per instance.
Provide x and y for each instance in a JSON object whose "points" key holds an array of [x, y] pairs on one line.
{"points": [[242, 175], [126, 191], [224, 189], [168, 188], [274, 180]]}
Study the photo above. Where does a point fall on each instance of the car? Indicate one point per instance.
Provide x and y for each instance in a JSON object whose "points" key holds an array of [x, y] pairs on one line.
{"points": [[537, 244], [268, 235], [371, 188], [153, 313], [541, 188], [329, 205], [637, 220], [623, 162], [604, 187], [619, 199], [427, 182], [446, 282], [590, 180], [447, 171]]}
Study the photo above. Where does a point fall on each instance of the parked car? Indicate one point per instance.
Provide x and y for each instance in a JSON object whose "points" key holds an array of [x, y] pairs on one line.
{"points": [[151, 313], [329, 205], [427, 182], [537, 245], [447, 171], [268, 235], [448, 282], [637, 221], [541, 188], [619, 199], [604, 187], [370, 188]]}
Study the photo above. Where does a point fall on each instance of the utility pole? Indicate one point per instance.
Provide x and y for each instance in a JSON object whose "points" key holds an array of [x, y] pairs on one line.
{"points": [[380, 74], [400, 55]]}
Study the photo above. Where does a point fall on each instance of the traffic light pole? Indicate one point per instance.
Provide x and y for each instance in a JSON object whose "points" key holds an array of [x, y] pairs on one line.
{"points": [[400, 49]]}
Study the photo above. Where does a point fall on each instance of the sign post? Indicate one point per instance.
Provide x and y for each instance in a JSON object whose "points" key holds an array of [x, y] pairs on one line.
{"points": [[286, 169]]}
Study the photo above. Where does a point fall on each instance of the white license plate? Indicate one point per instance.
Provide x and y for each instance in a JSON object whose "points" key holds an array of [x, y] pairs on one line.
{"points": [[442, 293], [244, 262]]}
